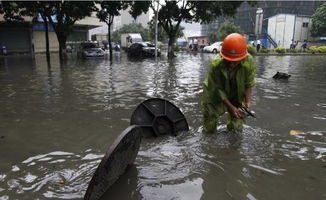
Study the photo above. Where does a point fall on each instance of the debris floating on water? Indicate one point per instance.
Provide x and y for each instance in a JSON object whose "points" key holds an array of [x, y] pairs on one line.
{"points": [[281, 75], [296, 132]]}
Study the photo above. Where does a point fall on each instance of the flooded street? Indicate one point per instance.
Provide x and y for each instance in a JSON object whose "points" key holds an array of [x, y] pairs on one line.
{"points": [[56, 124]]}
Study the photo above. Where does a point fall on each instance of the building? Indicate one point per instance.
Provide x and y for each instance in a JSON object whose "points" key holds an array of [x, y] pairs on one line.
{"points": [[29, 36], [285, 29], [201, 41], [246, 14], [123, 19], [100, 38]]}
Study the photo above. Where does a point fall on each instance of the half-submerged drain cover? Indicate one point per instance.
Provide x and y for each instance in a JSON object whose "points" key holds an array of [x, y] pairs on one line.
{"points": [[120, 154], [159, 117]]}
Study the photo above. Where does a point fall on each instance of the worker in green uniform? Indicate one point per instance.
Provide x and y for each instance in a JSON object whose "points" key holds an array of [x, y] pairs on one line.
{"points": [[227, 88]]}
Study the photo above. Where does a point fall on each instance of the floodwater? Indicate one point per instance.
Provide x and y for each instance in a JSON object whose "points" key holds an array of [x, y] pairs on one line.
{"points": [[57, 123]]}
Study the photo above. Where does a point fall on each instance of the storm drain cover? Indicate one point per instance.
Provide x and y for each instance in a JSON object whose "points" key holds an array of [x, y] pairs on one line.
{"points": [[159, 117], [121, 153]]}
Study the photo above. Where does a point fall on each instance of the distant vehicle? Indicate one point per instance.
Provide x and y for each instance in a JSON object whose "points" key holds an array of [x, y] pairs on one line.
{"points": [[129, 38], [90, 49], [142, 49], [213, 48]]}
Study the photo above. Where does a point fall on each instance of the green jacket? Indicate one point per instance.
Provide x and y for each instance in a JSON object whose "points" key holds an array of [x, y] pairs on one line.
{"points": [[217, 84]]}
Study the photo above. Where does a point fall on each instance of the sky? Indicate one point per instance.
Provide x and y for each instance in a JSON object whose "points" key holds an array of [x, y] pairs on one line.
{"points": [[191, 29]]}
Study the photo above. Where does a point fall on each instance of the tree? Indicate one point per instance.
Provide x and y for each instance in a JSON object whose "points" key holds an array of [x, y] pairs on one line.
{"points": [[106, 14], [62, 15], [172, 13], [10, 10], [162, 36], [33, 9], [131, 28], [319, 21], [225, 29], [66, 14], [212, 36], [14, 12]]}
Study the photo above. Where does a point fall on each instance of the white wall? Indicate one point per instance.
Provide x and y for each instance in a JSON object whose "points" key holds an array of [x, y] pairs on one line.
{"points": [[302, 33], [288, 32], [271, 29], [280, 28]]}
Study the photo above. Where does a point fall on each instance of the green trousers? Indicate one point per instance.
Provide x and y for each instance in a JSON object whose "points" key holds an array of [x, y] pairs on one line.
{"points": [[211, 118]]}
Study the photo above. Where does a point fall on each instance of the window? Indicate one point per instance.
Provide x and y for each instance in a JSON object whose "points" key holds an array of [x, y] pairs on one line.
{"points": [[305, 24]]}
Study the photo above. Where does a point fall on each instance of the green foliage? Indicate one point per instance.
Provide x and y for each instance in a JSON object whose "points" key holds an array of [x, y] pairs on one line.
{"points": [[177, 48], [172, 13], [280, 50], [162, 36], [227, 28], [322, 49], [293, 50], [139, 7], [319, 21], [212, 36], [251, 49], [10, 11], [265, 50], [315, 49], [109, 9], [131, 28]]}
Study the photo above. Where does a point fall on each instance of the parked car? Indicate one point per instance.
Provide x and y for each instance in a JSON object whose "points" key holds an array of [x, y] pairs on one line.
{"points": [[213, 48], [90, 49], [142, 49]]}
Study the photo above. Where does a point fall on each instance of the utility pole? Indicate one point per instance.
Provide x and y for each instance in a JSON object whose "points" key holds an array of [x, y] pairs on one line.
{"points": [[156, 27], [259, 22]]}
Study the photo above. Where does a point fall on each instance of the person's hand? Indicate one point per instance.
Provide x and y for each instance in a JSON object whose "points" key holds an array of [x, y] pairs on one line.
{"points": [[235, 112]]}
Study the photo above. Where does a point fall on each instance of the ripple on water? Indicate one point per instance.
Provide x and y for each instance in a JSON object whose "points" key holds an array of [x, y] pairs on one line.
{"points": [[58, 174], [305, 146]]}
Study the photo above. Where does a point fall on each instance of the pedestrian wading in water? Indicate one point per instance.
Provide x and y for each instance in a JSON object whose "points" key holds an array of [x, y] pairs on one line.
{"points": [[227, 87]]}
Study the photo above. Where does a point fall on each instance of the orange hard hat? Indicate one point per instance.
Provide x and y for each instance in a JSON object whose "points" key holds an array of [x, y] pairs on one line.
{"points": [[234, 47]]}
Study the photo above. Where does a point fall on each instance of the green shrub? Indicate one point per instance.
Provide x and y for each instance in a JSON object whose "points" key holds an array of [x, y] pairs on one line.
{"points": [[177, 48], [293, 50], [322, 49], [313, 49], [280, 50], [266, 50], [251, 49]]}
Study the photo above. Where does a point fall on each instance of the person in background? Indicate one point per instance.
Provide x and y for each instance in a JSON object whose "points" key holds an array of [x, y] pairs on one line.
{"points": [[304, 45], [228, 85], [258, 45]]}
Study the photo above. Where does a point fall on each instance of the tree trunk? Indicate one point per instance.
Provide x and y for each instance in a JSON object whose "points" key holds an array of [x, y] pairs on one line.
{"points": [[171, 46], [62, 46], [109, 38], [46, 38]]}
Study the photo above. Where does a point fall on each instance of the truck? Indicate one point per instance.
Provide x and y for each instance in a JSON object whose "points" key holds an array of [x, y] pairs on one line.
{"points": [[128, 38]]}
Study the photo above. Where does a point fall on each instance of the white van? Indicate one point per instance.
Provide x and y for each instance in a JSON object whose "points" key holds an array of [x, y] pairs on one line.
{"points": [[128, 38]]}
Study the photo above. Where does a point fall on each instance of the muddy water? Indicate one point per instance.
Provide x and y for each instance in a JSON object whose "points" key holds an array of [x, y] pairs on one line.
{"points": [[56, 123]]}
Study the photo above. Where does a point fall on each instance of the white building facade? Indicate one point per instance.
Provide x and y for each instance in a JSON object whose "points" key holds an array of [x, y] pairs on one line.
{"points": [[285, 28]]}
